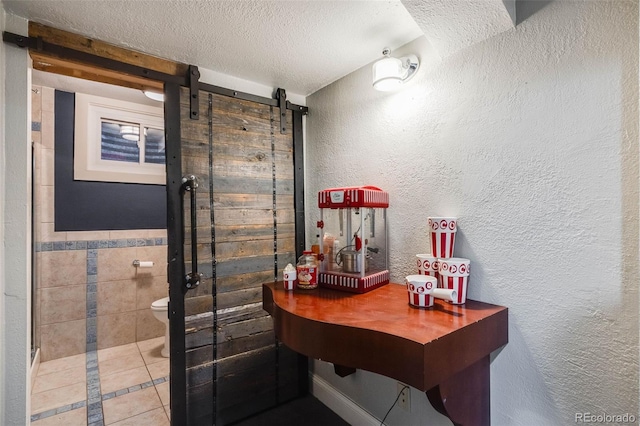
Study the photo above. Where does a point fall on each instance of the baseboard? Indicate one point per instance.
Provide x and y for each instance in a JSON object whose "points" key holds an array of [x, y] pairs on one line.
{"points": [[340, 404]]}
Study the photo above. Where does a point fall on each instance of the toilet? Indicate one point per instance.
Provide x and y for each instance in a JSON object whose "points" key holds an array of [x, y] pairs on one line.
{"points": [[160, 310]]}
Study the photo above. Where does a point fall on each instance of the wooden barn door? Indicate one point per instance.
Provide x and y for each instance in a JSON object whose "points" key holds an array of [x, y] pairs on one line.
{"points": [[234, 172]]}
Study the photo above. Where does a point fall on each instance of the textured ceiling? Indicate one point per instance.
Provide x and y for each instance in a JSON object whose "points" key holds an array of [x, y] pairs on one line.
{"points": [[451, 25], [299, 45]]}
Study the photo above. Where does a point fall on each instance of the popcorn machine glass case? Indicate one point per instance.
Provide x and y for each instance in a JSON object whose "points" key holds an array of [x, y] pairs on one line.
{"points": [[353, 238]]}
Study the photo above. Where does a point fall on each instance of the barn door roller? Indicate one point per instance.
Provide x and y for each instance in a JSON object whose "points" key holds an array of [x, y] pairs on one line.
{"points": [[194, 102]]}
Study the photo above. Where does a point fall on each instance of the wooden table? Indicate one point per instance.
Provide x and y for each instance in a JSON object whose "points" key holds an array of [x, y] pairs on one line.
{"points": [[443, 351]]}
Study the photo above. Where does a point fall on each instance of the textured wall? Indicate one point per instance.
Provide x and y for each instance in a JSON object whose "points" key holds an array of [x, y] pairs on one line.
{"points": [[531, 139], [3, 60]]}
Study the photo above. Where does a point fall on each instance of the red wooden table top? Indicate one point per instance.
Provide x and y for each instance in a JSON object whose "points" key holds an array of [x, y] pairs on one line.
{"points": [[379, 331], [385, 309]]}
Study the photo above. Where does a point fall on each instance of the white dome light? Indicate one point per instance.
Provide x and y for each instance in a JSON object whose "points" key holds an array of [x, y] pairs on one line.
{"points": [[390, 73]]}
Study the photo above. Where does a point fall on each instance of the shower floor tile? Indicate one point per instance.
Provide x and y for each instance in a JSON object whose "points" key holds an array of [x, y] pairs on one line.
{"points": [[132, 388]]}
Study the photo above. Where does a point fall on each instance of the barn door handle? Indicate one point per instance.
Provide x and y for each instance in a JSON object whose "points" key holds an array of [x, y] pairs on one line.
{"points": [[192, 279]]}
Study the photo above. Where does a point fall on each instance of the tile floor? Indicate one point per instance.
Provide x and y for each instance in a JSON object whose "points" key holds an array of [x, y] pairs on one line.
{"points": [[122, 385]]}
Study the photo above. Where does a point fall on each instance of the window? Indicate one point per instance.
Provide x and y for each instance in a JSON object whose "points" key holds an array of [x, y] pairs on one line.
{"points": [[117, 141]]}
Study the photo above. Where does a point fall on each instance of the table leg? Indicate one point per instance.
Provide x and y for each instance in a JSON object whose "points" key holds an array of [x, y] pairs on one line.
{"points": [[343, 371], [464, 397]]}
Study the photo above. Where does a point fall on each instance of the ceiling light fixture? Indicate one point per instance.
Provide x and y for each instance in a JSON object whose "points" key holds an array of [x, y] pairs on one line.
{"points": [[390, 73], [130, 133], [154, 95]]}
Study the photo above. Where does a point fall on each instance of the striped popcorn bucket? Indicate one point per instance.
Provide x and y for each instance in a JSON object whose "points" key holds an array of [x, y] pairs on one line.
{"points": [[459, 284], [442, 235], [289, 281], [419, 288], [454, 273], [427, 265], [420, 300]]}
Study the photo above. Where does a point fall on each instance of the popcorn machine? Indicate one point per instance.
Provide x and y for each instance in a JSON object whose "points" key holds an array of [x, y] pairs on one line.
{"points": [[353, 238]]}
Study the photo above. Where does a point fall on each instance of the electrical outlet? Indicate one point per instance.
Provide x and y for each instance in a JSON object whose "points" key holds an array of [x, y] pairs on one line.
{"points": [[404, 401]]}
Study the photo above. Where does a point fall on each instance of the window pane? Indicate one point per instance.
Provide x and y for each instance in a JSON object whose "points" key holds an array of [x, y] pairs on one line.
{"points": [[154, 146], [120, 142]]}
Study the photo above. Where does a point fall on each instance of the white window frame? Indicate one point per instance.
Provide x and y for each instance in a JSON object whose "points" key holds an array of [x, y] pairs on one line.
{"points": [[88, 164]]}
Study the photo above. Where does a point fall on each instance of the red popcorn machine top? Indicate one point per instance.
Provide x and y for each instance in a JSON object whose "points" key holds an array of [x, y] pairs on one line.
{"points": [[353, 238]]}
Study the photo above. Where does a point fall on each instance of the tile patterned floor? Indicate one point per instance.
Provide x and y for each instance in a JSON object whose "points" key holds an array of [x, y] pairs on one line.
{"points": [[123, 385]]}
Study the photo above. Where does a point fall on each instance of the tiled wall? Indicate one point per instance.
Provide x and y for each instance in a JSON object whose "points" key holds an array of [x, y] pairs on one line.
{"points": [[89, 295]]}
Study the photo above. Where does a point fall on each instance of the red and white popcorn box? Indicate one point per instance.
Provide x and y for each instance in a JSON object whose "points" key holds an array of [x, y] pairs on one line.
{"points": [[459, 284], [289, 284], [289, 279], [442, 235], [423, 289], [428, 265], [455, 276], [420, 288], [420, 300], [455, 266]]}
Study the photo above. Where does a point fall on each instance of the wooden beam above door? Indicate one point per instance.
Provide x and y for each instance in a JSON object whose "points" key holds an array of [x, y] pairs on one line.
{"points": [[70, 54], [51, 64], [76, 67]]}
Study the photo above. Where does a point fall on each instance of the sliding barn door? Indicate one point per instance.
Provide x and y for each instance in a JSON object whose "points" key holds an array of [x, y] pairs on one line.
{"points": [[236, 191]]}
